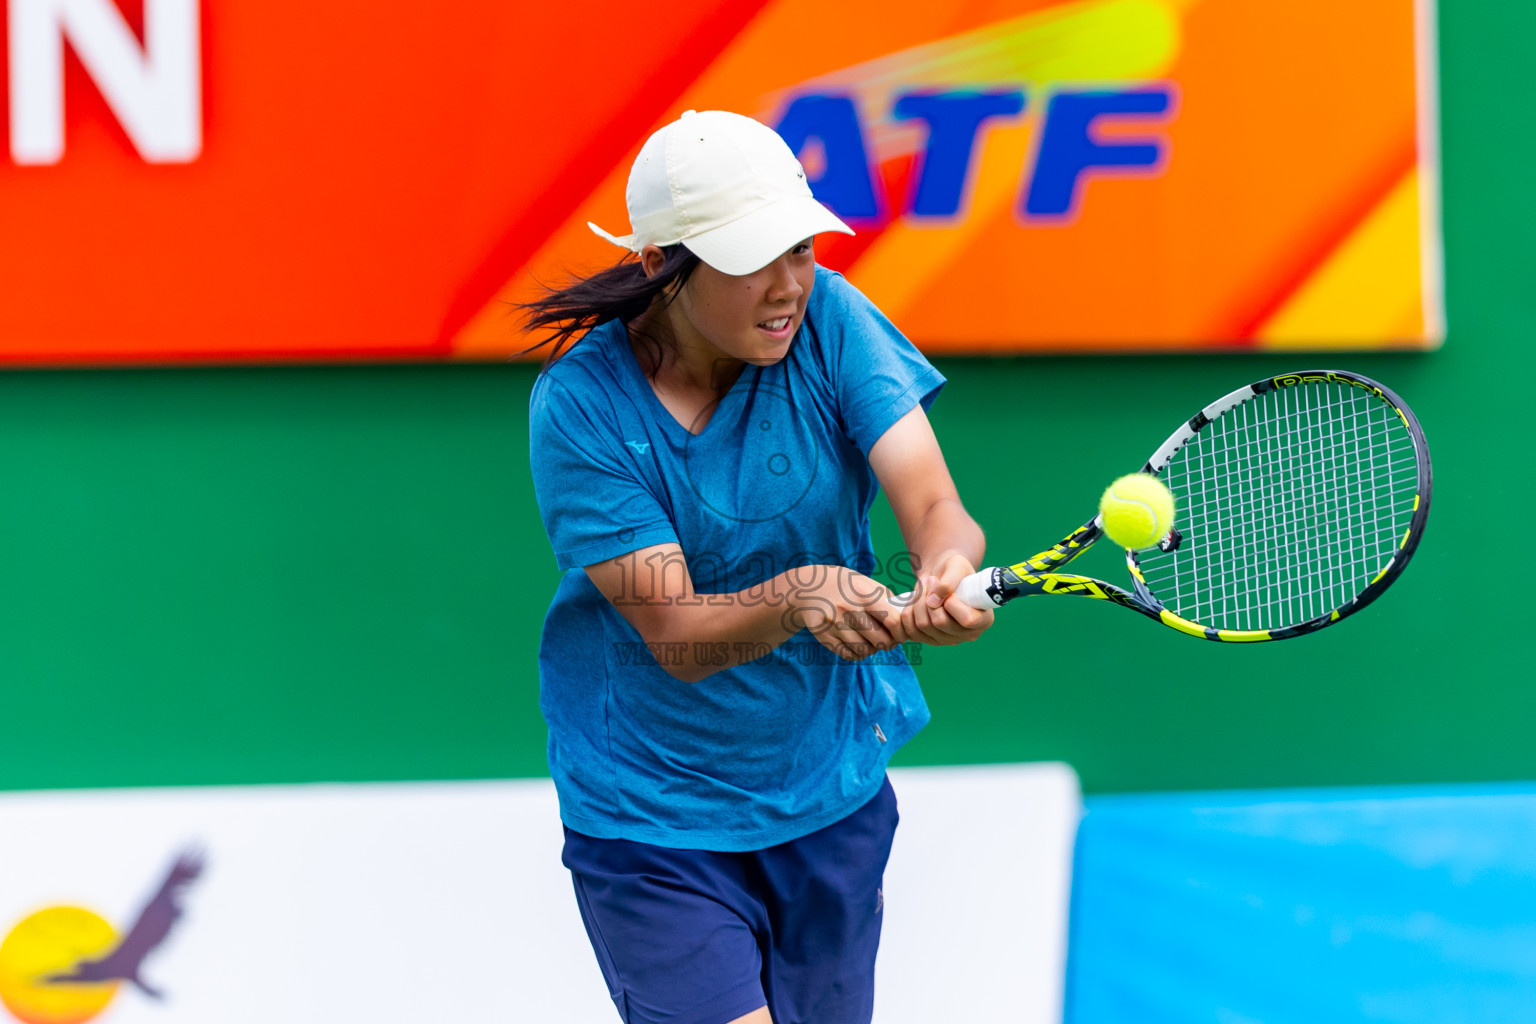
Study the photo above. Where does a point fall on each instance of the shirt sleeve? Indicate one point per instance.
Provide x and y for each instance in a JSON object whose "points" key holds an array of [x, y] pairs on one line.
{"points": [[877, 374], [593, 505]]}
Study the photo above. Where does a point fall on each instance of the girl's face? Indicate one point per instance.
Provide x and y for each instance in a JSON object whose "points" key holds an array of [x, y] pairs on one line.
{"points": [[751, 318]]}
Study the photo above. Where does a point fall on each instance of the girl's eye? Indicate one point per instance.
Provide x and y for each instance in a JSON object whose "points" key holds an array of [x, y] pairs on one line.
{"points": [[802, 249]]}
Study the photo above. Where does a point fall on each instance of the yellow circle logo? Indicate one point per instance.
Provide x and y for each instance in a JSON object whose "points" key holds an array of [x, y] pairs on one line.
{"points": [[46, 944]]}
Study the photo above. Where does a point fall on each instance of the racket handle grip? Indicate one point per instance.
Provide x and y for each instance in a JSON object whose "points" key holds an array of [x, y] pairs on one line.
{"points": [[972, 590]]}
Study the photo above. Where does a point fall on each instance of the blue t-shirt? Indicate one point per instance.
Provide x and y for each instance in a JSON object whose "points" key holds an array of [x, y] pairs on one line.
{"points": [[775, 748]]}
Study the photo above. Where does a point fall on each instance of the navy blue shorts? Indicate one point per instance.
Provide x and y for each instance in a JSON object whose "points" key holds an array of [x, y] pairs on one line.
{"points": [[698, 937]]}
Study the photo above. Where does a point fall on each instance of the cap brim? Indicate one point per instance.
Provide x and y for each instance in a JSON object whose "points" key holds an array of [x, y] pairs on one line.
{"points": [[751, 242]]}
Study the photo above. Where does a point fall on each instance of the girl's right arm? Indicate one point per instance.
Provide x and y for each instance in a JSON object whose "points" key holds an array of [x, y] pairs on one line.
{"points": [[703, 633]]}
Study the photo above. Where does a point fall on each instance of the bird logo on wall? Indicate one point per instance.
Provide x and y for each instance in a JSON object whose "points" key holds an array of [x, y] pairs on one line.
{"points": [[65, 964]]}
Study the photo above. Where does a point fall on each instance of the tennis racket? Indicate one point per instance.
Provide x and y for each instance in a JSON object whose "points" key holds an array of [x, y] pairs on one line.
{"points": [[1301, 498]]}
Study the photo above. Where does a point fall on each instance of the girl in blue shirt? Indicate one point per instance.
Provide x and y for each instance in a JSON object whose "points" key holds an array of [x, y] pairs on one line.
{"points": [[723, 681]]}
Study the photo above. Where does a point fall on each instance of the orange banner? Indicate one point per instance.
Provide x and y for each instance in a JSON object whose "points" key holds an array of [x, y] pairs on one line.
{"points": [[283, 181]]}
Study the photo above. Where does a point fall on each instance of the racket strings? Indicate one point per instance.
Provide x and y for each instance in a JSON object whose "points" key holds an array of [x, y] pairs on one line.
{"points": [[1289, 505]]}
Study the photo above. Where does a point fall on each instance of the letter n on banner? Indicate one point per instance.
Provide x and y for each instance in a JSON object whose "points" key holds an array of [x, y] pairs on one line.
{"points": [[156, 91]]}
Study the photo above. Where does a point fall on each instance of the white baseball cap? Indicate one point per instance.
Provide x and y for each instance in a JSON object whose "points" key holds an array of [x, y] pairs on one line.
{"points": [[725, 186]]}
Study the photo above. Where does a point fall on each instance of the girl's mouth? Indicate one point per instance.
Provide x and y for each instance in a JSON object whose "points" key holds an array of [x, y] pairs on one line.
{"points": [[778, 327]]}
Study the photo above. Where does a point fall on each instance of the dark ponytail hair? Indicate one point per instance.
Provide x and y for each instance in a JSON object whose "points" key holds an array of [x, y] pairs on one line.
{"points": [[622, 292]]}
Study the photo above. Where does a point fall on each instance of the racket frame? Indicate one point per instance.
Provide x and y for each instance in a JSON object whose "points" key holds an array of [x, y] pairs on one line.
{"points": [[1039, 574]]}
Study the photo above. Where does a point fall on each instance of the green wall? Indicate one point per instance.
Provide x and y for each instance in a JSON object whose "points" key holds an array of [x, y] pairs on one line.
{"points": [[277, 575]]}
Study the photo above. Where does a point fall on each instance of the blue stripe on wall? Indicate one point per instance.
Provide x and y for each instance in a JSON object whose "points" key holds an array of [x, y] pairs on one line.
{"points": [[1393, 904]]}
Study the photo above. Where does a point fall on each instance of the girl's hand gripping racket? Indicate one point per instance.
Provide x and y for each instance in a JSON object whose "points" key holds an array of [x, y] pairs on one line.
{"points": [[1300, 499]]}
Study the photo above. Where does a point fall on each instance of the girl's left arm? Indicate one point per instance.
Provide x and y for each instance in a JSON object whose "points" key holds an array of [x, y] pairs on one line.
{"points": [[945, 543]]}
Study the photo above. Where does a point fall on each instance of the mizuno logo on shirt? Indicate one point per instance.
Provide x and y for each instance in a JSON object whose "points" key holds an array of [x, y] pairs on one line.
{"points": [[638, 447]]}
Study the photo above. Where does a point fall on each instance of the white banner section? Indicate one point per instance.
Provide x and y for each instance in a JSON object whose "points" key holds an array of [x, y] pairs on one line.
{"points": [[447, 902]]}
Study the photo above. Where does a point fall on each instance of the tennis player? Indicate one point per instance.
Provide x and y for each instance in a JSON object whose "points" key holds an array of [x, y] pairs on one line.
{"points": [[723, 681]]}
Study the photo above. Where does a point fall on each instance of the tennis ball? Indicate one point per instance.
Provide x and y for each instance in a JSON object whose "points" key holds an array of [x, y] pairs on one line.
{"points": [[1137, 510]]}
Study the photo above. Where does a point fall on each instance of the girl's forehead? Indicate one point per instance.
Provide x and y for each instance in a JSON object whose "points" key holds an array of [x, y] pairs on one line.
{"points": [[768, 269], [754, 282]]}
